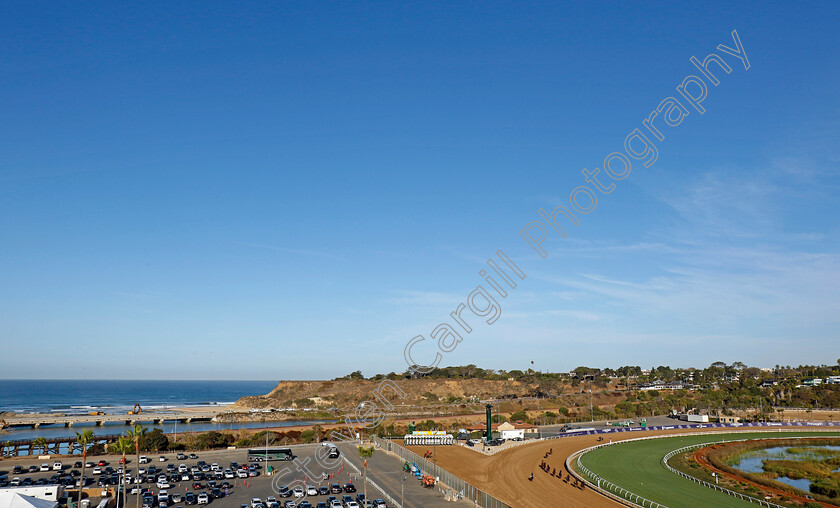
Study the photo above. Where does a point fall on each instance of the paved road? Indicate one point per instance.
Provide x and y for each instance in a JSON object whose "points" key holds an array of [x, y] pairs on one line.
{"points": [[386, 470]]}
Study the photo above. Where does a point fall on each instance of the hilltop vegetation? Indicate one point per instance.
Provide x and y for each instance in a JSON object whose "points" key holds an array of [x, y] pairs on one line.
{"points": [[621, 392]]}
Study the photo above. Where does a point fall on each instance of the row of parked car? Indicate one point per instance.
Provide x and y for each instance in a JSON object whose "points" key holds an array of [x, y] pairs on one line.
{"points": [[346, 501]]}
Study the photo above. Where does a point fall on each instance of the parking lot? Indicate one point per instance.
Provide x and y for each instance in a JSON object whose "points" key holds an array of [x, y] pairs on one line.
{"points": [[200, 479]]}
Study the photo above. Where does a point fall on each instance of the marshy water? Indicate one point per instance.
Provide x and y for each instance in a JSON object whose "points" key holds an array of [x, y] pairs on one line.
{"points": [[753, 461]]}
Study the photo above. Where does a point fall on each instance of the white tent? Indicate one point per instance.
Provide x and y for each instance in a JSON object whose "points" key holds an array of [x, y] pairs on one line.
{"points": [[11, 499]]}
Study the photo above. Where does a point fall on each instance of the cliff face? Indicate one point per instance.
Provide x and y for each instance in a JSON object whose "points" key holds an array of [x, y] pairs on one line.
{"points": [[348, 393]]}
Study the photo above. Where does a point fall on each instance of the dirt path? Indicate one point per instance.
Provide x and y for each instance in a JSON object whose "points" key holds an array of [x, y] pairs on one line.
{"points": [[699, 456]]}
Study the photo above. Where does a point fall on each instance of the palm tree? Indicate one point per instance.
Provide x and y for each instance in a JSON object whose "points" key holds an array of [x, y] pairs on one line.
{"points": [[40, 443], [83, 439], [123, 445], [136, 433]]}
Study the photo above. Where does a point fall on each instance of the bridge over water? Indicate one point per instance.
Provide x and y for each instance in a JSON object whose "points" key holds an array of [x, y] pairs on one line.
{"points": [[100, 420]]}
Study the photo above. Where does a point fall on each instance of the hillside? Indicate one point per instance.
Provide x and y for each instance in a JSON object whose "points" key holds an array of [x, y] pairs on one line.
{"points": [[347, 393]]}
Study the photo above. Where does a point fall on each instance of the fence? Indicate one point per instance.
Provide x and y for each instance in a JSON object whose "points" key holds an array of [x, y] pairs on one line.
{"points": [[462, 488], [387, 497], [624, 496], [732, 493]]}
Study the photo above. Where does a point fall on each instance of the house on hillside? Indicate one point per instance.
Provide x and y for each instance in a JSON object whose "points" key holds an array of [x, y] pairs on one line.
{"points": [[662, 385]]}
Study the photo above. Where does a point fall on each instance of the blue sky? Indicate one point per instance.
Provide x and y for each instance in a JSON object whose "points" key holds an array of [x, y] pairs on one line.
{"points": [[265, 190]]}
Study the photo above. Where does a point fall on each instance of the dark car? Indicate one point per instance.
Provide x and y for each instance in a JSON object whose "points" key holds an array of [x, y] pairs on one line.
{"points": [[284, 491], [323, 491], [18, 470], [304, 504], [334, 453], [217, 493], [193, 456], [189, 498], [77, 464], [336, 489], [349, 487]]}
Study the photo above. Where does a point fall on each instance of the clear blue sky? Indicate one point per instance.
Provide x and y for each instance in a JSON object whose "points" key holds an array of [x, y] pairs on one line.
{"points": [[266, 190]]}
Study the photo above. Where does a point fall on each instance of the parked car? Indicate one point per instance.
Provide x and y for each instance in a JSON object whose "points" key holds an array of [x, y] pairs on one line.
{"points": [[45, 467], [349, 487], [193, 456], [379, 503], [323, 491], [311, 490], [175, 498], [144, 459], [181, 456], [336, 489], [298, 492], [162, 458], [203, 498], [189, 498]]}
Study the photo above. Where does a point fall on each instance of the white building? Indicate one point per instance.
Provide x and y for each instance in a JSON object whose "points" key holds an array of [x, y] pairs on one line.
{"points": [[11, 498]]}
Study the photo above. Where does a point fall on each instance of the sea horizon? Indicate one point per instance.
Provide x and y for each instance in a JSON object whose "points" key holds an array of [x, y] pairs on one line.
{"points": [[80, 396]]}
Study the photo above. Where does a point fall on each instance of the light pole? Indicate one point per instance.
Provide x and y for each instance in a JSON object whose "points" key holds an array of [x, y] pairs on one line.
{"points": [[402, 493]]}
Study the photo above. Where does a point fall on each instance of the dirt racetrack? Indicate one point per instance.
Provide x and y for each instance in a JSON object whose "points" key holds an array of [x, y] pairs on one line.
{"points": [[504, 474]]}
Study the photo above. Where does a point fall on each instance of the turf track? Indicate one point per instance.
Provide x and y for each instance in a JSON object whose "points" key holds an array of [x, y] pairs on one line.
{"points": [[637, 466]]}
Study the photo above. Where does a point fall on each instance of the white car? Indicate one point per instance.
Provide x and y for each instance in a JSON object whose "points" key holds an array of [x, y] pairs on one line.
{"points": [[183, 468], [203, 498], [214, 467], [255, 501], [163, 484], [311, 490], [162, 458], [185, 477], [58, 466], [175, 498], [144, 459], [96, 470], [297, 491], [45, 467], [335, 504], [270, 499], [242, 473], [351, 504], [229, 474]]}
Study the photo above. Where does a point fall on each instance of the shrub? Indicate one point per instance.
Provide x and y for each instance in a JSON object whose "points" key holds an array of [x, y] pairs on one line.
{"points": [[154, 441], [213, 439]]}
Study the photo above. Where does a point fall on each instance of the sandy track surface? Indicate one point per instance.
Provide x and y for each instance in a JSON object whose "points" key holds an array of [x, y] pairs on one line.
{"points": [[504, 474]]}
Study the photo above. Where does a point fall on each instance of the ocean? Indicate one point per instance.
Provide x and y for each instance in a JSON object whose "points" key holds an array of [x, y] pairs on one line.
{"points": [[119, 396], [110, 396]]}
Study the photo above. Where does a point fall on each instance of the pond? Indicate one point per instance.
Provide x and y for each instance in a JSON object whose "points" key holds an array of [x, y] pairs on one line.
{"points": [[753, 461]]}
